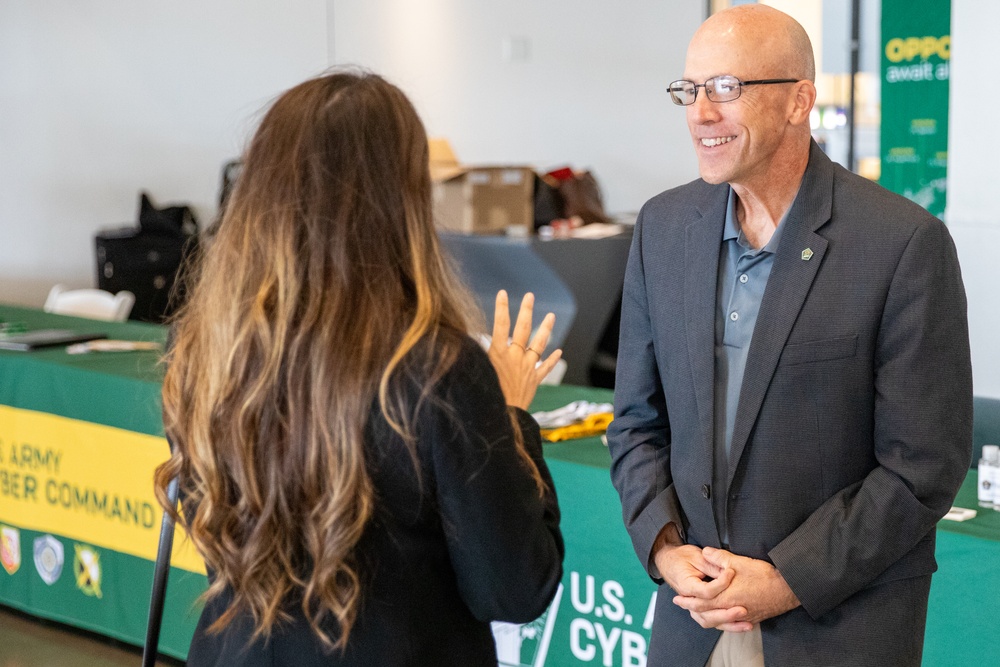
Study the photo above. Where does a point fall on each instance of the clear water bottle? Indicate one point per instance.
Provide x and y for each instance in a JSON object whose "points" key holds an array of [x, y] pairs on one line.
{"points": [[989, 477]]}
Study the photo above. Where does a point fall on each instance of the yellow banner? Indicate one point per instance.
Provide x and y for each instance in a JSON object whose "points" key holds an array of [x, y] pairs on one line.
{"points": [[86, 482]]}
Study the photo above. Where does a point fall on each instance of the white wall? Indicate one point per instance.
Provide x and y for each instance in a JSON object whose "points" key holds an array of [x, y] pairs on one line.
{"points": [[102, 98], [973, 212], [591, 93]]}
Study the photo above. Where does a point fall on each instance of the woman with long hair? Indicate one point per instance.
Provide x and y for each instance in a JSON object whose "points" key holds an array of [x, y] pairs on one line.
{"points": [[360, 477]]}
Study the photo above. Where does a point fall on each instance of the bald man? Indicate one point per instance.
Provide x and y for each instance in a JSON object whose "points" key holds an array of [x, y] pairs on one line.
{"points": [[793, 404]]}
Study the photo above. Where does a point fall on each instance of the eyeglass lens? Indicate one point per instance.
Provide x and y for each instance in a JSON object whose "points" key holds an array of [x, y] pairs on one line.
{"points": [[723, 88]]}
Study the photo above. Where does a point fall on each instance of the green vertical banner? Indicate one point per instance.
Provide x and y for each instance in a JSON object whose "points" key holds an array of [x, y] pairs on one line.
{"points": [[916, 56]]}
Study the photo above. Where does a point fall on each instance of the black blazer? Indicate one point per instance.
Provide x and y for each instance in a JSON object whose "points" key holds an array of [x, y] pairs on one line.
{"points": [[466, 542], [854, 424]]}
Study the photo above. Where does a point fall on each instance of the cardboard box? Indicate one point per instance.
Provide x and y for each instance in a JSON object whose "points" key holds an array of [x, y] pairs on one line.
{"points": [[482, 199]]}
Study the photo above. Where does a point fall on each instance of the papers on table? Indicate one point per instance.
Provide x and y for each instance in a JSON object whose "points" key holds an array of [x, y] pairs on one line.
{"points": [[566, 415], [960, 514], [112, 346], [579, 419], [39, 338]]}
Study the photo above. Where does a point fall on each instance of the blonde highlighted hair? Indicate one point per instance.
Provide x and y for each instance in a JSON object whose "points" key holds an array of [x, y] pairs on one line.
{"points": [[323, 283]]}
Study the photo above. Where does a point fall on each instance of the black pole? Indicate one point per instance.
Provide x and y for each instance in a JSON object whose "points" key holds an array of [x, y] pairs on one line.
{"points": [[160, 573], [855, 53]]}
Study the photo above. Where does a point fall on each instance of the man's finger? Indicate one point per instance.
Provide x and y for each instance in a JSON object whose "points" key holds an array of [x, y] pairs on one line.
{"points": [[718, 557], [740, 626], [695, 604], [717, 618], [709, 568], [705, 590], [700, 620]]}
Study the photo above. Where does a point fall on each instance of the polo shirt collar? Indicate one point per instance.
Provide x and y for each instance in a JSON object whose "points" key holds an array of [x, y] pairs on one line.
{"points": [[732, 230]]}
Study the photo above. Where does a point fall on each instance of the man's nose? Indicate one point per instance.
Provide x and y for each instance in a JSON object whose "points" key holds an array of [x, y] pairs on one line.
{"points": [[703, 110]]}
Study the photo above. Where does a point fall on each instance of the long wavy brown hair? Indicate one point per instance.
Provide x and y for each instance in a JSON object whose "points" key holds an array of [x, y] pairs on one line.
{"points": [[324, 279]]}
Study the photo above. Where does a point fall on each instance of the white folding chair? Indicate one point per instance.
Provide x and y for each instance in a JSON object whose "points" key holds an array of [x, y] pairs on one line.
{"points": [[93, 303]]}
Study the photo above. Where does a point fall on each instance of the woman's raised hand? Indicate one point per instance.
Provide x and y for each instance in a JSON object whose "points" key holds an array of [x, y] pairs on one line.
{"points": [[518, 363]]}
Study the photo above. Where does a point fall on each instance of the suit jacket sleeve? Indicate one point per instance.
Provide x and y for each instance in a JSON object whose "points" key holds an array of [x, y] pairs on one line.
{"points": [[922, 410], [639, 436], [503, 536]]}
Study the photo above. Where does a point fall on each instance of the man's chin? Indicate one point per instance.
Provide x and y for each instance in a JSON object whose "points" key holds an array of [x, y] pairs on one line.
{"points": [[712, 177]]}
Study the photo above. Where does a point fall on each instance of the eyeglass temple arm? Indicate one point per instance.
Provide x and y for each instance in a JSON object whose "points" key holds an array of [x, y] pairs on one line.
{"points": [[750, 83]]}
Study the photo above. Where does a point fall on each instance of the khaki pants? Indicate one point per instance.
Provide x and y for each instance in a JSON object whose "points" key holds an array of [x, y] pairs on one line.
{"points": [[738, 649]]}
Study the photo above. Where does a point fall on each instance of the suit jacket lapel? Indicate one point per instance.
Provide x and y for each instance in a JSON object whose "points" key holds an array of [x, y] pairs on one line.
{"points": [[701, 257], [786, 292]]}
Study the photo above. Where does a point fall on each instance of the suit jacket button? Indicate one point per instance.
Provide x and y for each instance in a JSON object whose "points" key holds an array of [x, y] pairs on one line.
{"points": [[706, 491]]}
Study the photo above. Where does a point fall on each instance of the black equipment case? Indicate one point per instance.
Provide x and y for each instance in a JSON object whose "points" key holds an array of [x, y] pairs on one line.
{"points": [[145, 260]]}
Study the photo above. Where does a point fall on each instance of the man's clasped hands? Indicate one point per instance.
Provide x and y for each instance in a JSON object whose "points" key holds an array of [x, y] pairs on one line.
{"points": [[719, 588]]}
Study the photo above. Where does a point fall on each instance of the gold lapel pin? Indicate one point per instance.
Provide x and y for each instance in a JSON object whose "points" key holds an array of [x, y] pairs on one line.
{"points": [[807, 254]]}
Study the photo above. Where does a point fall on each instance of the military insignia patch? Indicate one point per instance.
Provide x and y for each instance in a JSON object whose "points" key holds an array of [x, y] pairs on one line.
{"points": [[87, 570], [48, 558], [10, 548]]}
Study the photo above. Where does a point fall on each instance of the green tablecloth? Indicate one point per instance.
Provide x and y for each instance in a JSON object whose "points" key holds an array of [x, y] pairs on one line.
{"points": [[59, 414], [93, 387], [601, 614]]}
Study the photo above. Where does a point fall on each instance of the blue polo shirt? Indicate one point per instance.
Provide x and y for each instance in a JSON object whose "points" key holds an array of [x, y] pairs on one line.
{"points": [[743, 274]]}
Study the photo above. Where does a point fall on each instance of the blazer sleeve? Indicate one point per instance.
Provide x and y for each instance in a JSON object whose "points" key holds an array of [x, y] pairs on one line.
{"points": [[502, 535], [639, 436], [922, 435]]}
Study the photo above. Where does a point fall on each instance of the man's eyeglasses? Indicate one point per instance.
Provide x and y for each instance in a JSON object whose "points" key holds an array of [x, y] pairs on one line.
{"points": [[722, 88]]}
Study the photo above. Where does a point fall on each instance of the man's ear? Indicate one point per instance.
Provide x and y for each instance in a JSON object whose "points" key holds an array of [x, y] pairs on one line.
{"points": [[801, 102]]}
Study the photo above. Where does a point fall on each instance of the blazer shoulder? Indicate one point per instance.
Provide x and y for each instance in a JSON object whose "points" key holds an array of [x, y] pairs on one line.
{"points": [[857, 198], [690, 193], [682, 202]]}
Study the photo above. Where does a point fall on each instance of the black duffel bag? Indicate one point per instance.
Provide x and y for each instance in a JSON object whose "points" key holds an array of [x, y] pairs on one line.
{"points": [[146, 259]]}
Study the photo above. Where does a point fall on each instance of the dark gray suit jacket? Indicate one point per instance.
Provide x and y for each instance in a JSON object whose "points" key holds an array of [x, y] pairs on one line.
{"points": [[854, 425]]}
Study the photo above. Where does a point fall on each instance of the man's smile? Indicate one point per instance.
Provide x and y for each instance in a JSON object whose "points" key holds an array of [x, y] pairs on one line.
{"points": [[710, 142]]}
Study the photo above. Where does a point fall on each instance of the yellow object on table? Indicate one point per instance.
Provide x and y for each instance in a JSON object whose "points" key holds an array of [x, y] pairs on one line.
{"points": [[595, 424]]}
